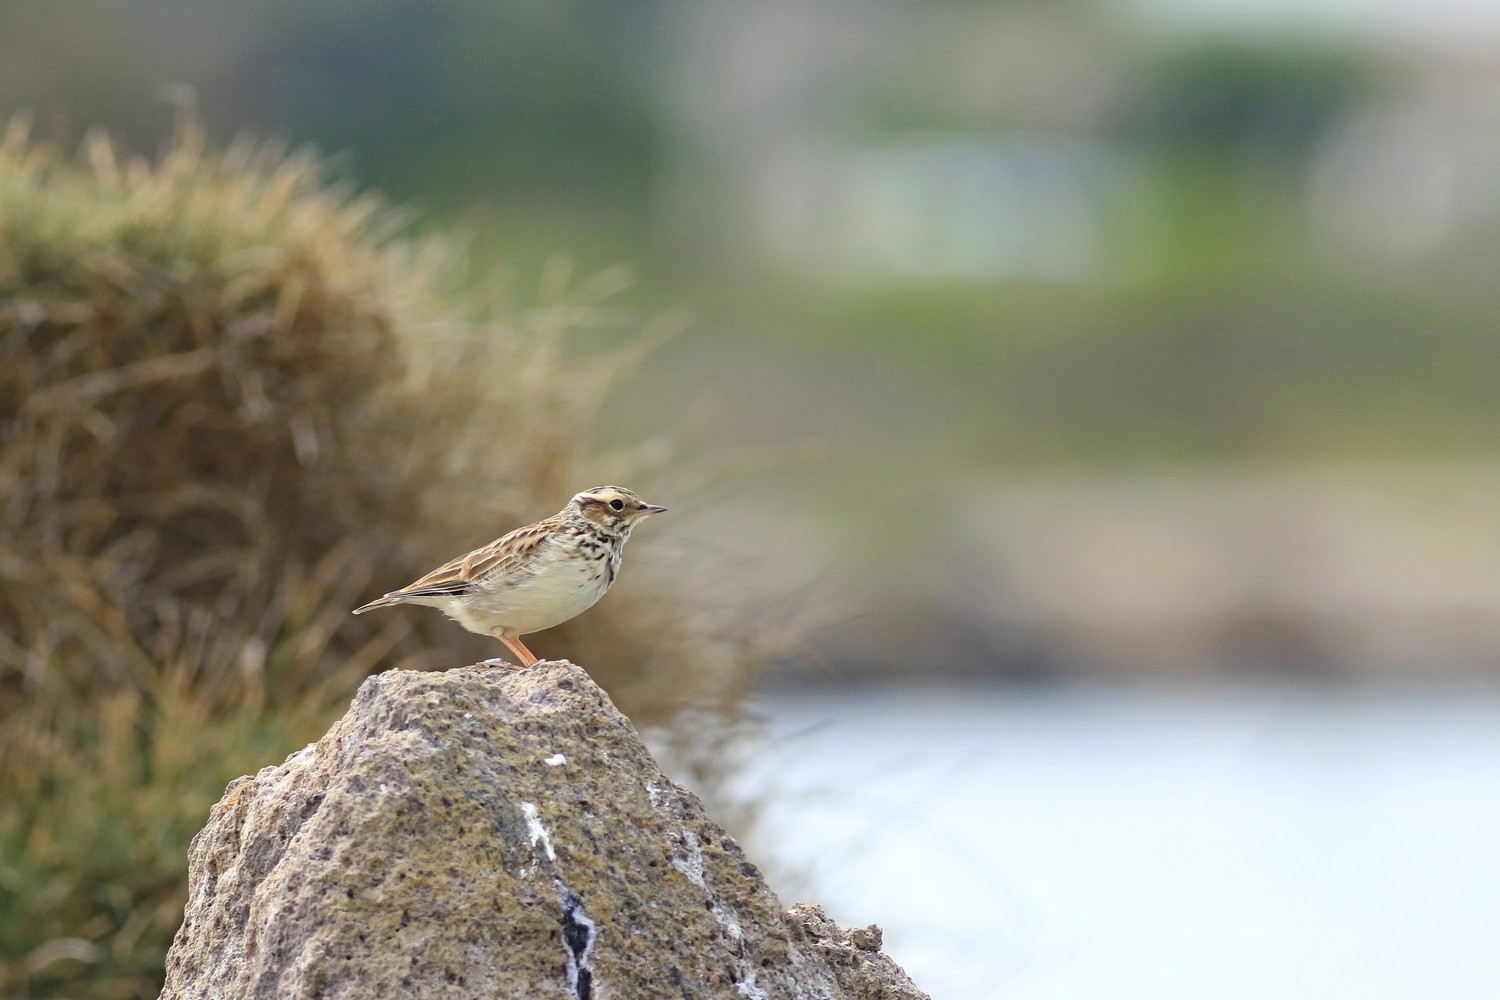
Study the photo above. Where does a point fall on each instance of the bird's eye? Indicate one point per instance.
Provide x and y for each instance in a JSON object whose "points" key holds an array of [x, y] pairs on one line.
{"points": [[617, 504]]}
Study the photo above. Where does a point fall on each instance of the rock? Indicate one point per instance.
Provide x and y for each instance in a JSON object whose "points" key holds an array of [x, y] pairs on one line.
{"points": [[868, 938], [859, 966], [488, 832]]}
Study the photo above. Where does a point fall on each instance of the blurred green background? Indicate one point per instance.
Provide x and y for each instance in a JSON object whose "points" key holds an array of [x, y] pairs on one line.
{"points": [[1135, 339], [938, 255], [949, 264]]}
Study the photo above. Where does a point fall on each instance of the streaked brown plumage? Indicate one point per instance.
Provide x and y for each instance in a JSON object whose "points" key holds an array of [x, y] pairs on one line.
{"points": [[535, 577]]}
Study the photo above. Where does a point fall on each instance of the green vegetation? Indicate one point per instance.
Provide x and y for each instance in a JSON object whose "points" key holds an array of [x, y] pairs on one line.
{"points": [[1271, 369], [235, 402]]}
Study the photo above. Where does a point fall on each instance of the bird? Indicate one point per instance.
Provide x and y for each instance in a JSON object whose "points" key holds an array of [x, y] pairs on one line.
{"points": [[534, 577]]}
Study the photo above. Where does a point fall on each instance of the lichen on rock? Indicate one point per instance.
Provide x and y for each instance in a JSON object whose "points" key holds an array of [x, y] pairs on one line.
{"points": [[492, 833]]}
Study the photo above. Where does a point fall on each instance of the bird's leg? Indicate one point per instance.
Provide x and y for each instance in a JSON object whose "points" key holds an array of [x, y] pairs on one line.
{"points": [[516, 646]]}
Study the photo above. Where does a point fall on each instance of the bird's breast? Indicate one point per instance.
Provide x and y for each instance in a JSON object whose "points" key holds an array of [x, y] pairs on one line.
{"points": [[565, 581]]}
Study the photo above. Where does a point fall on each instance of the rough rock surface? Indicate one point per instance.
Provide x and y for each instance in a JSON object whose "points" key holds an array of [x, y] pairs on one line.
{"points": [[488, 832]]}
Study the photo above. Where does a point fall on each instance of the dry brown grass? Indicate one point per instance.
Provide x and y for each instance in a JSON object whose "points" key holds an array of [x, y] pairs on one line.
{"points": [[235, 401]]}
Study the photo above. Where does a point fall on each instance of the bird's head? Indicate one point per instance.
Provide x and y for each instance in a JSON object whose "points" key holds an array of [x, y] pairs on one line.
{"points": [[612, 507]]}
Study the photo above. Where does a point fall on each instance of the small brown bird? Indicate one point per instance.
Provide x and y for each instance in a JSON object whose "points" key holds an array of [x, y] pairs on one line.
{"points": [[535, 577]]}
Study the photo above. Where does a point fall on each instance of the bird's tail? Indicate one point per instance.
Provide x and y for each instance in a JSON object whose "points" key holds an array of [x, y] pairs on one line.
{"points": [[396, 597]]}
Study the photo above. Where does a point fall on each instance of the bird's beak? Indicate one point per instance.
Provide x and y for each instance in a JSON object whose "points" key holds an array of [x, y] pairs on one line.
{"points": [[651, 508]]}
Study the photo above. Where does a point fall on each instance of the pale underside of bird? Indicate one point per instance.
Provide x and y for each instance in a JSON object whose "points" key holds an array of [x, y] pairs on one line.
{"points": [[535, 577]]}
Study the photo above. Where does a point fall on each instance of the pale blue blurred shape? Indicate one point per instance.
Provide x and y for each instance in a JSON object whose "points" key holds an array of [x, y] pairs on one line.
{"points": [[981, 208], [953, 206], [1265, 845]]}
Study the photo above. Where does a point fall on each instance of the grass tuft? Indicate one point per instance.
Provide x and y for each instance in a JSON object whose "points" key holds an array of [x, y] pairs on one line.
{"points": [[236, 401]]}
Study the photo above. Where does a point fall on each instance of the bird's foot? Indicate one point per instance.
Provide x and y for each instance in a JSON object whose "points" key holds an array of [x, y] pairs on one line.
{"points": [[496, 661]]}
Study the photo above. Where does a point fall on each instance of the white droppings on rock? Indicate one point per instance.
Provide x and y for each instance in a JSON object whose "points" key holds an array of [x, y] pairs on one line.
{"points": [[691, 865], [747, 988], [555, 760], [536, 830], [311, 748]]}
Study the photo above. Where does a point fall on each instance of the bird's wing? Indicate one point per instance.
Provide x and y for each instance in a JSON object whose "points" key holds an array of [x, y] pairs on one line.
{"points": [[511, 555], [506, 555]]}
